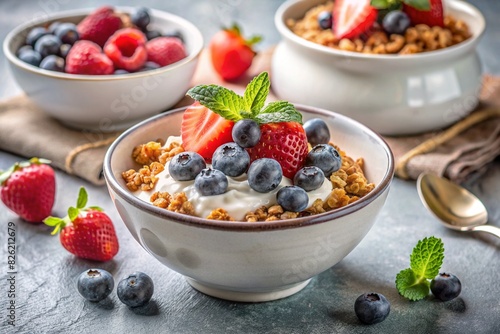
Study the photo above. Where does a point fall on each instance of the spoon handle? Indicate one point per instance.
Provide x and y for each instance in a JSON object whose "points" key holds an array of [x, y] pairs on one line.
{"points": [[489, 229]]}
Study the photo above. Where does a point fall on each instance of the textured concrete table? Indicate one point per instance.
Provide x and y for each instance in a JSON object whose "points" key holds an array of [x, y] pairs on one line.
{"points": [[46, 300]]}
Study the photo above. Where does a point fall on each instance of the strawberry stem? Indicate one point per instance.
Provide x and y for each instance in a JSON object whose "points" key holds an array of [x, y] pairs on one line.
{"points": [[5, 175]]}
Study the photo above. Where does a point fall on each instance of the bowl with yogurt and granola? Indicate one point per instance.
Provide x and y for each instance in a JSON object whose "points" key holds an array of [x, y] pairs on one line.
{"points": [[396, 68], [249, 201]]}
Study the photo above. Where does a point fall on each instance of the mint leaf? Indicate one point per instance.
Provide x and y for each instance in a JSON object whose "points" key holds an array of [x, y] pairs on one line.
{"points": [[256, 93], [409, 286], [424, 5], [279, 111], [220, 100], [427, 257], [82, 199]]}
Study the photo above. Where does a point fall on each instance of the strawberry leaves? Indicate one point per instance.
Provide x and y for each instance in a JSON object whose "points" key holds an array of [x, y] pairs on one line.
{"points": [[424, 5], [4, 175]]}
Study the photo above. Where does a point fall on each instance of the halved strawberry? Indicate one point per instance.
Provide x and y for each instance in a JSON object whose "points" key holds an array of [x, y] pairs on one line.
{"points": [[352, 17], [202, 130], [432, 17]]}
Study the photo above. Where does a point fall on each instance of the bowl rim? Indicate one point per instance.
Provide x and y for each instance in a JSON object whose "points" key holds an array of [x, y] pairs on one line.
{"points": [[286, 33], [13, 59], [126, 195]]}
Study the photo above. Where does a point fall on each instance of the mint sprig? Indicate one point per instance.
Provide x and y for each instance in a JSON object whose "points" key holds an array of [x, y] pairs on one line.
{"points": [[423, 5], [251, 105], [425, 261]]}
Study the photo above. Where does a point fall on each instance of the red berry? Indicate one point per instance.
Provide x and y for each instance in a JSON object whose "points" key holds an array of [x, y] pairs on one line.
{"points": [[28, 189], [126, 48], [165, 50], [432, 17], [352, 17], [99, 25], [86, 57]]}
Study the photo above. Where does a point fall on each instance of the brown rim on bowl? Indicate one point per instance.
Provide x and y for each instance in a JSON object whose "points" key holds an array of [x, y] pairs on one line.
{"points": [[115, 185]]}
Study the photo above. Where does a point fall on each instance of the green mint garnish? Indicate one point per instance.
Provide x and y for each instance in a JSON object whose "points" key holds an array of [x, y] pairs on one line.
{"points": [[425, 261], [251, 105], [396, 4]]}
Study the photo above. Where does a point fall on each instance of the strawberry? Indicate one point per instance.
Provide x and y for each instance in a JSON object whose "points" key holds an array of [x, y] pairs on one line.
{"points": [[127, 49], [203, 131], [86, 232], [352, 17], [86, 57], [285, 142], [432, 17], [165, 50], [28, 188], [99, 25]]}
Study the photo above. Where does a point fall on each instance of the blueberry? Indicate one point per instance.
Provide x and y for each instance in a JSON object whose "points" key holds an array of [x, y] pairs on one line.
{"points": [[52, 63], [317, 131], [135, 290], [264, 175], [120, 71], [211, 182], [231, 159], [325, 19], [95, 284], [64, 50], [326, 157], [31, 57], [246, 133], [186, 165], [23, 49], [150, 34], [141, 18], [67, 33], [292, 198], [35, 34], [53, 26], [148, 66], [396, 22], [176, 34], [372, 308], [309, 178], [446, 286], [47, 45]]}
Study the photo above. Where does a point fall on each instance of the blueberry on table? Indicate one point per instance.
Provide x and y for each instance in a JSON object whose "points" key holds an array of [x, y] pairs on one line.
{"points": [[231, 159], [446, 286], [309, 178], [30, 56], [186, 165], [246, 133], [135, 290], [264, 175], [326, 157], [140, 18], [95, 284], [396, 22], [292, 198], [325, 20], [53, 63], [372, 308], [317, 131], [211, 182], [35, 34], [67, 33], [48, 45]]}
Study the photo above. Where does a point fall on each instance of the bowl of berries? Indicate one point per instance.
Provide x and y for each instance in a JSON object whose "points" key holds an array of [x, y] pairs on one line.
{"points": [[107, 68], [258, 201], [399, 67]]}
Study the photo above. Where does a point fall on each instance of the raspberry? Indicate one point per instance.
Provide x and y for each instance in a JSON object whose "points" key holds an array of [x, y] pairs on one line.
{"points": [[165, 50], [86, 57], [99, 25], [126, 48]]}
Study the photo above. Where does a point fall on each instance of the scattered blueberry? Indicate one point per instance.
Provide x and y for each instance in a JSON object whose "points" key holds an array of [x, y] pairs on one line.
{"points": [[372, 308], [446, 286], [231, 159], [23, 49], [325, 19], [317, 131], [309, 178], [121, 71], [246, 133], [135, 290], [53, 63], [176, 34], [35, 34], [211, 182], [186, 165], [141, 18], [150, 34], [326, 157], [396, 22], [31, 57], [47, 45], [67, 33], [53, 26], [292, 198], [64, 50], [264, 175], [95, 284]]}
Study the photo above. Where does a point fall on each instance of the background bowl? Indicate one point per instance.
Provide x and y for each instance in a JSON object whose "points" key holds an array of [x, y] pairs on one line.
{"points": [[392, 94], [250, 261], [106, 102]]}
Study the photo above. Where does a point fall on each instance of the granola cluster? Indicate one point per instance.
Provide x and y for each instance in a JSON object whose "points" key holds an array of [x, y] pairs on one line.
{"points": [[420, 38]]}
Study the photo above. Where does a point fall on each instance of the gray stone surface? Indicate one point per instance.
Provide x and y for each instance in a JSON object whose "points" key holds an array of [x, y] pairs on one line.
{"points": [[47, 300]]}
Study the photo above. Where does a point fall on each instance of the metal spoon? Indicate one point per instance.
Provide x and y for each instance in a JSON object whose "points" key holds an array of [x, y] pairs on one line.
{"points": [[455, 207]]}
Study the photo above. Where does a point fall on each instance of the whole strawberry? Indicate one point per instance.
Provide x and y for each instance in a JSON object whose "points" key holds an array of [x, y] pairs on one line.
{"points": [[431, 13], [86, 232], [165, 50], [28, 188], [86, 57], [99, 25]]}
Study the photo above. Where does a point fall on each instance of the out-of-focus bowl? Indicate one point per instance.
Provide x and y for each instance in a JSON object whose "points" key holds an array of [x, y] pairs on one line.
{"points": [[106, 103], [392, 94], [250, 261]]}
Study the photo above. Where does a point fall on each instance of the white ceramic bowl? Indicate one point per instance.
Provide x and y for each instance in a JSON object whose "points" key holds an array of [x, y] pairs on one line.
{"points": [[392, 94], [106, 102], [250, 261]]}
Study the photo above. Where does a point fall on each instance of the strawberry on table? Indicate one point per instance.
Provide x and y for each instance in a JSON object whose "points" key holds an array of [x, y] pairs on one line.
{"points": [[28, 188], [353, 17], [99, 25], [428, 12], [86, 232]]}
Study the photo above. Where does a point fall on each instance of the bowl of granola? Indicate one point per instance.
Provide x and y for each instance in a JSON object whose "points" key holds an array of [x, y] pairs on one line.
{"points": [[392, 73], [249, 237]]}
